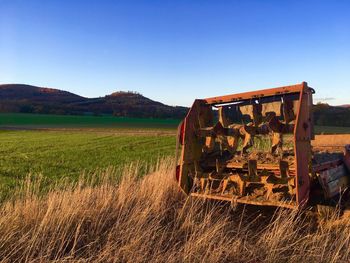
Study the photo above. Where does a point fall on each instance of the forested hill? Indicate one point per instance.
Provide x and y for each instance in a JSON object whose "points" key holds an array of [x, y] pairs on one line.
{"points": [[326, 115], [31, 99]]}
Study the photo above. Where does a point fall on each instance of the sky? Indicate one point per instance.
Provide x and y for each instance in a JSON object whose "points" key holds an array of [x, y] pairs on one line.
{"points": [[177, 51]]}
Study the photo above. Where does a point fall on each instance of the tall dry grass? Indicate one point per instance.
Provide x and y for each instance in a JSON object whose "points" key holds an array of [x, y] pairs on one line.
{"points": [[149, 220]]}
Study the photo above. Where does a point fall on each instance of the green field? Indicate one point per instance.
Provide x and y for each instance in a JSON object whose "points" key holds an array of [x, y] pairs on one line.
{"points": [[68, 154], [70, 146], [74, 145], [79, 121], [25, 120]]}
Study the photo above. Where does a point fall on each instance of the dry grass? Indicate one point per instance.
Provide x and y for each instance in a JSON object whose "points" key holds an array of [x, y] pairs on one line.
{"points": [[149, 220]]}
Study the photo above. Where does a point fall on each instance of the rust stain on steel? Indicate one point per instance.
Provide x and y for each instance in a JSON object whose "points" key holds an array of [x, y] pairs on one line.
{"points": [[261, 156], [255, 94]]}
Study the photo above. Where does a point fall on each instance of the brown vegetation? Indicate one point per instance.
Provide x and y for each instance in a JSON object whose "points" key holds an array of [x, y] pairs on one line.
{"points": [[149, 220]]}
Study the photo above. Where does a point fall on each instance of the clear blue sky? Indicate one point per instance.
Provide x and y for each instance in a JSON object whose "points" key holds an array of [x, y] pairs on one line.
{"points": [[176, 51]]}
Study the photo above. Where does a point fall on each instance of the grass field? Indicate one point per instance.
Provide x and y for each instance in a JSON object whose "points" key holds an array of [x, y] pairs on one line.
{"points": [[68, 154], [126, 217], [68, 146], [149, 220], [24, 120], [75, 121]]}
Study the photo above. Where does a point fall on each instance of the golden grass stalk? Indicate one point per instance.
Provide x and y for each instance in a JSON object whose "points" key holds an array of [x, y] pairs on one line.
{"points": [[148, 220]]}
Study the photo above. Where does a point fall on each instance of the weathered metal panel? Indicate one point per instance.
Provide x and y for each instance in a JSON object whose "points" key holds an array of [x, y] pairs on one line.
{"points": [[303, 133], [272, 185], [333, 181]]}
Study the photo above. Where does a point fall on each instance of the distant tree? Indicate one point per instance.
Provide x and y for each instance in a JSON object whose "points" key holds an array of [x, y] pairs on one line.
{"points": [[26, 109]]}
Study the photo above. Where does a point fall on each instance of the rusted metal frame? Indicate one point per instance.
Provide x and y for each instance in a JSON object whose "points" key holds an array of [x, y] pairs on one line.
{"points": [[256, 94], [179, 142], [301, 140], [244, 200], [260, 175], [189, 143], [260, 166], [325, 166], [262, 100], [182, 177], [302, 146], [271, 168]]}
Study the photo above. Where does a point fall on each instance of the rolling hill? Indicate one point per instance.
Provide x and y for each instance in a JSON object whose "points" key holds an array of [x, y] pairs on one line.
{"points": [[327, 115], [19, 98], [31, 99]]}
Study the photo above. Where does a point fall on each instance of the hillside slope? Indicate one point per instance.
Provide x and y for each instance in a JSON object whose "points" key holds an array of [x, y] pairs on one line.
{"points": [[326, 115], [32, 99]]}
